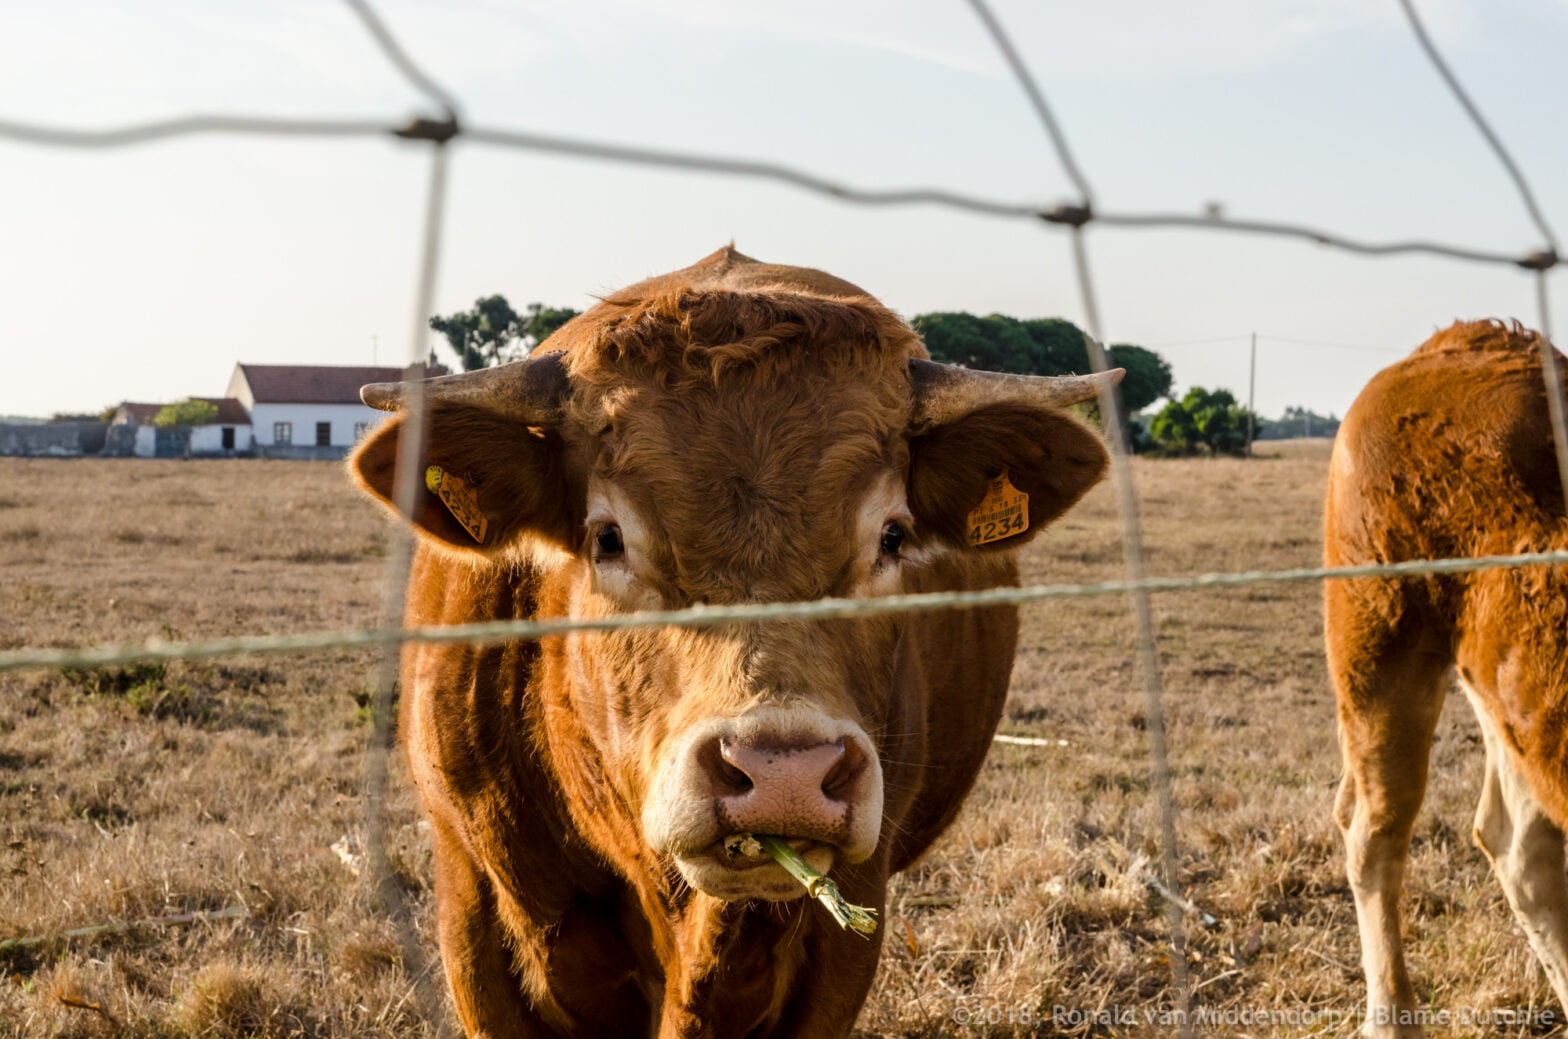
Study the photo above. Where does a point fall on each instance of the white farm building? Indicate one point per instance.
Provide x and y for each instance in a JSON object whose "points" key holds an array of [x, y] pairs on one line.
{"points": [[307, 406], [269, 411]]}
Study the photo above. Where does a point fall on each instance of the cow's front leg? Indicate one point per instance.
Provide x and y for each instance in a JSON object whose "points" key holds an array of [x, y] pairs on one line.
{"points": [[487, 993]]}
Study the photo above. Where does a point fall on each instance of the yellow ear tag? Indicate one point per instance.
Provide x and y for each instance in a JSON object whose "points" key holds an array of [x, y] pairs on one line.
{"points": [[462, 501], [1003, 512]]}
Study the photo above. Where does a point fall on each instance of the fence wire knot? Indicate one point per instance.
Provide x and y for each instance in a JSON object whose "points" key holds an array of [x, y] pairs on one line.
{"points": [[422, 128], [1070, 215], [1541, 260]]}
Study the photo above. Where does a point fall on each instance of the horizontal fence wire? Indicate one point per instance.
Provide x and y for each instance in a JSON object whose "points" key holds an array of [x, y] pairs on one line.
{"points": [[1063, 216], [710, 616]]}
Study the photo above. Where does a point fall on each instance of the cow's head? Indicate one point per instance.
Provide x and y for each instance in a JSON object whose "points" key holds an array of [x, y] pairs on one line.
{"points": [[724, 447]]}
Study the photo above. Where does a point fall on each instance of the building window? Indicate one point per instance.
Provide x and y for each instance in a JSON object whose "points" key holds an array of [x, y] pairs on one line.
{"points": [[360, 429], [283, 432], [228, 438], [323, 434]]}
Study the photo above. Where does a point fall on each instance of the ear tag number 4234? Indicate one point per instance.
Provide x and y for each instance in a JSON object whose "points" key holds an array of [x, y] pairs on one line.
{"points": [[1003, 512]]}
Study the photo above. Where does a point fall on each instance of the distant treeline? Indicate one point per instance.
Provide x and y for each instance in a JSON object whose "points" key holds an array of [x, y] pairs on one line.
{"points": [[1038, 346], [1200, 421], [1298, 422]]}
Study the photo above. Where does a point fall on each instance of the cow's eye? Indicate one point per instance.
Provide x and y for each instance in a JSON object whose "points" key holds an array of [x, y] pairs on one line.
{"points": [[893, 535], [608, 542]]}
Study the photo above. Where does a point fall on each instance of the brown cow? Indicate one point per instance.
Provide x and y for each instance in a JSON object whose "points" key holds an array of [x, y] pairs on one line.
{"points": [[735, 432], [1449, 453]]}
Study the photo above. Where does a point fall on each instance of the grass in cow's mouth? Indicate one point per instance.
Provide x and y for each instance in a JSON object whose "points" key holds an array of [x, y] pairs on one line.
{"points": [[859, 919]]}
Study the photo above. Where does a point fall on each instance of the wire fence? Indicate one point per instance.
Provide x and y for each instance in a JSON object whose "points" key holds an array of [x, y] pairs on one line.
{"points": [[446, 125]]}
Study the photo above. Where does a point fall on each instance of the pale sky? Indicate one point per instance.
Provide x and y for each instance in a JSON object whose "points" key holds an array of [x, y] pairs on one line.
{"points": [[145, 273]]}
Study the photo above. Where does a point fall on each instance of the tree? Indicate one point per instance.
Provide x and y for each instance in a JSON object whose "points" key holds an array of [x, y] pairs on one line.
{"points": [[183, 416], [543, 321], [1148, 375], [1201, 421], [492, 332], [1040, 346]]}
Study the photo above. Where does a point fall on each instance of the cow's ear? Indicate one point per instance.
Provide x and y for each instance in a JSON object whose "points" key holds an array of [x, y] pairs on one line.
{"points": [[503, 479], [954, 468]]}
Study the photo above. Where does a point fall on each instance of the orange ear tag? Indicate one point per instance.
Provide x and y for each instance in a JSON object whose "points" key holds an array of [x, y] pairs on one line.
{"points": [[462, 501], [1003, 512]]}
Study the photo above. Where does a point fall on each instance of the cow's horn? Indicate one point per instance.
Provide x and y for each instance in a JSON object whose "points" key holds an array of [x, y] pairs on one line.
{"points": [[944, 392], [530, 390]]}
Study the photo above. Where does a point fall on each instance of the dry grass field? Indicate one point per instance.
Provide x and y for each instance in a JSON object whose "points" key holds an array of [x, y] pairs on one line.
{"points": [[130, 794]]}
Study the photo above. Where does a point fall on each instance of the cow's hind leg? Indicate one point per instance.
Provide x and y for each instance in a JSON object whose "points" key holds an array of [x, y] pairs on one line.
{"points": [[1526, 849], [1390, 693]]}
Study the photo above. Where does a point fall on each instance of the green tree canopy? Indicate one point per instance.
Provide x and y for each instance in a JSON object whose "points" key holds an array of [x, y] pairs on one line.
{"points": [[492, 332], [1201, 422], [1148, 375], [1039, 346], [185, 414]]}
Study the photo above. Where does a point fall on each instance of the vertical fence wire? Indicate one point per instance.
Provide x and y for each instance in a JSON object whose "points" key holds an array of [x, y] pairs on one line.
{"points": [[1485, 129], [1127, 506], [1148, 653], [1556, 407], [1541, 263], [1031, 89], [383, 883], [400, 59], [406, 481]]}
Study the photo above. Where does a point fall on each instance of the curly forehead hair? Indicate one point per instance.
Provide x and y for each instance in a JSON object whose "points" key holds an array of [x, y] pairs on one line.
{"points": [[688, 339]]}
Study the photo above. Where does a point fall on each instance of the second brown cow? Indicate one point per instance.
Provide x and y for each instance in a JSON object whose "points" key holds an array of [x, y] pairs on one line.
{"points": [[735, 432]]}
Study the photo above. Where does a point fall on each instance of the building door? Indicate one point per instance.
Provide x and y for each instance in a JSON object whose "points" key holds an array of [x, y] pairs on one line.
{"points": [[323, 434], [228, 438], [168, 443]]}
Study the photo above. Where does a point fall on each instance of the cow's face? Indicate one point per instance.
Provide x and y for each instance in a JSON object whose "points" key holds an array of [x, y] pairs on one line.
{"points": [[721, 449]]}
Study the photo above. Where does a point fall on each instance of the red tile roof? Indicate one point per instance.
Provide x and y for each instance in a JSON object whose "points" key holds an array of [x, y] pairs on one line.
{"points": [[316, 384]]}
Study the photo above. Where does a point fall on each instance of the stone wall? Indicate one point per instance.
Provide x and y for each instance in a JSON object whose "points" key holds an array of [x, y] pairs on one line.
{"points": [[54, 439], [301, 452]]}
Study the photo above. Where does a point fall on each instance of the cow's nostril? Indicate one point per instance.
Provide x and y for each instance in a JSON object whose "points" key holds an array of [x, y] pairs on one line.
{"points": [[839, 783], [729, 779], [734, 778]]}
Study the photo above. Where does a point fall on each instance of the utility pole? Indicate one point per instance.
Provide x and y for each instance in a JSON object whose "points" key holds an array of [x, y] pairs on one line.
{"points": [[1252, 389]]}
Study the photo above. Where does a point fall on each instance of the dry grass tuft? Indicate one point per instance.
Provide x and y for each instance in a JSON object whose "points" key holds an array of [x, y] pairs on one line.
{"points": [[364, 958], [243, 1001]]}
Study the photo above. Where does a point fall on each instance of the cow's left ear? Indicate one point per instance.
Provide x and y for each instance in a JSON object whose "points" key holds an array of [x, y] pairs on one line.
{"points": [[493, 467], [954, 468], [485, 480]]}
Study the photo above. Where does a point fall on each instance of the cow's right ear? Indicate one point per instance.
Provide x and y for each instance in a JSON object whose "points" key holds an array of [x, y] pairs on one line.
{"points": [[994, 456], [510, 479]]}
